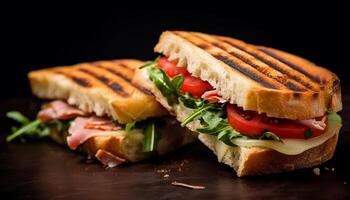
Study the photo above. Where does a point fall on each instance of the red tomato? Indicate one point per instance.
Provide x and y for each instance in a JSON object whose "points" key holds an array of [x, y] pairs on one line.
{"points": [[171, 69], [252, 124], [195, 86]]}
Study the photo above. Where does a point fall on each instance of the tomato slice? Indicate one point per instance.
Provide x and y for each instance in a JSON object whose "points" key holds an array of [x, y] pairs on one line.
{"points": [[195, 86], [192, 85], [171, 69], [253, 124]]}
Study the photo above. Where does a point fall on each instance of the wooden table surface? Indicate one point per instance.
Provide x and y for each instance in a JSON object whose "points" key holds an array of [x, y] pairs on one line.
{"points": [[45, 170]]}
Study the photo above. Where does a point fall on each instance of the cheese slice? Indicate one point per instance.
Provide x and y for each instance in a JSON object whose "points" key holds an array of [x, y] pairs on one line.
{"points": [[293, 146]]}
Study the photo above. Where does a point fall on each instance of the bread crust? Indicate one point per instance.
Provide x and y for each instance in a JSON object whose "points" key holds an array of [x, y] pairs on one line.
{"points": [[201, 53], [261, 161], [102, 88]]}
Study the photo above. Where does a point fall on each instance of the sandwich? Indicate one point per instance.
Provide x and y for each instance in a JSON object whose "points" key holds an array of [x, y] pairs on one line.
{"points": [[96, 108], [260, 110]]}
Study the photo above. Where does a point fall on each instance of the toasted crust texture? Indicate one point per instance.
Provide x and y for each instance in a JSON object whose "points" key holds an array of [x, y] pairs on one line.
{"points": [[256, 78], [261, 161], [118, 145], [103, 88]]}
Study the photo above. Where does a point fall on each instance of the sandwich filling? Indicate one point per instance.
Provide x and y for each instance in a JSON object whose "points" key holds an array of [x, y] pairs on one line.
{"points": [[69, 125], [199, 107]]}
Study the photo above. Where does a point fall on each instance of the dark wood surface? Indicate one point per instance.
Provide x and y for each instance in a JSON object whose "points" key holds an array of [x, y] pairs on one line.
{"points": [[45, 170]]}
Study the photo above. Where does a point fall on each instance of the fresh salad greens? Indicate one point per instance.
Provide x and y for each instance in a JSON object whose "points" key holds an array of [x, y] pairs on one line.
{"points": [[150, 63], [151, 138], [129, 126], [169, 88], [151, 135], [211, 115], [36, 129], [32, 129]]}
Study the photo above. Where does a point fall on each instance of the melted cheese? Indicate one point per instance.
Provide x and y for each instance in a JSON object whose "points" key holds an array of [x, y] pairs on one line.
{"points": [[292, 146]]}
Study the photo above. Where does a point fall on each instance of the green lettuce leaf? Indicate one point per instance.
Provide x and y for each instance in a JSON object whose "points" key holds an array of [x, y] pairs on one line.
{"points": [[151, 138]]}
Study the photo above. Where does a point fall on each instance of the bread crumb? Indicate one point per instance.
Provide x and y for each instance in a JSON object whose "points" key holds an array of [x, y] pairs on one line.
{"points": [[166, 175], [345, 183], [195, 187], [316, 171], [326, 168], [333, 169], [163, 170]]}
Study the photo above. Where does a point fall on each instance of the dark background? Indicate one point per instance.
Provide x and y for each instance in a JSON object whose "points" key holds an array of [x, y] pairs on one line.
{"points": [[48, 37], [39, 38]]}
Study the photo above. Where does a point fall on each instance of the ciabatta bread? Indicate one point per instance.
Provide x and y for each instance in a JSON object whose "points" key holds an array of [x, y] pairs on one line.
{"points": [[102, 88], [256, 78], [249, 161]]}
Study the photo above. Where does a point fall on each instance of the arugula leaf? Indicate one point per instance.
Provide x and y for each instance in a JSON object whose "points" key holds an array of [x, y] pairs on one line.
{"points": [[150, 63], [270, 136], [177, 83], [191, 102], [196, 114], [227, 134], [129, 126], [34, 129], [17, 116], [212, 120], [151, 138], [164, 84], [28, 129]]}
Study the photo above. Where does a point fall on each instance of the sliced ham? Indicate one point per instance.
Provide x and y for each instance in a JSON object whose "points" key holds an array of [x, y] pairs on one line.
{"points": [[313, 123], [79, 133], [59, 109], [108, 159], [213, 97], [105, 125]]}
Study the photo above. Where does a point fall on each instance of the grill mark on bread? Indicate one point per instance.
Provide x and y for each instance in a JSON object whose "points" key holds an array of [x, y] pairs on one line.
{"points": [[293, 66], [274, 65], [261, 69], [78, 80], [81, 82], [124, 77], [253, 76], [122, 64], [117, 88], [252, 73]]}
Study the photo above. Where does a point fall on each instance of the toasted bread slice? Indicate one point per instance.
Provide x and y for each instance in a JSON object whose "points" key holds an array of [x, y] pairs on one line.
{"points": [[249, 161], [256, 78], [103, 88]]}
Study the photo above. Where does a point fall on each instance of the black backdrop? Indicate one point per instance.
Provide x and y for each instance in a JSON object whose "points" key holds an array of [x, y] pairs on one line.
{"points": [[43, 39]]}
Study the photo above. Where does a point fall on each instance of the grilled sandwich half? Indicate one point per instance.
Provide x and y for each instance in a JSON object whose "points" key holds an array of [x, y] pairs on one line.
{"points": [[261, 110], [97, 108]]}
